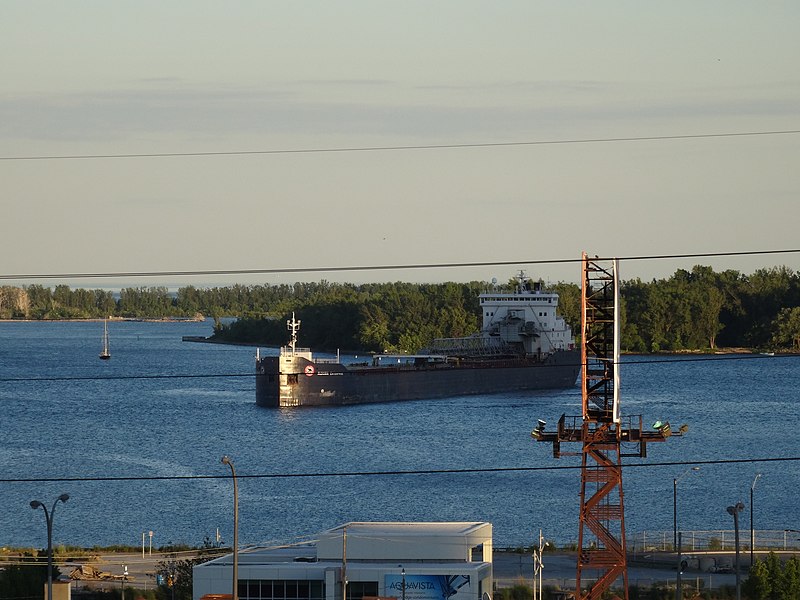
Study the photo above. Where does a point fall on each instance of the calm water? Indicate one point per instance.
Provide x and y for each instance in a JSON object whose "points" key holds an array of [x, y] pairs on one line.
{"points": [[182, 426]]}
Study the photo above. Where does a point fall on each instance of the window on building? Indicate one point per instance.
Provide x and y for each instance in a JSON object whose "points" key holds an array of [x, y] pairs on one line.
{"points": [[279, 589], [476, 554], [356, 590]]}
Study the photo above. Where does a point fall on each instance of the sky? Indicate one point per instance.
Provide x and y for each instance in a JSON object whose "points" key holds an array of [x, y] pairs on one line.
{"points": [[297, 92]]}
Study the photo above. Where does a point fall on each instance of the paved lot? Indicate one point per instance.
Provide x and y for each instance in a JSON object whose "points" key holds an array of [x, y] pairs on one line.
{"points": [[141, 570], [509, 568], [559, 570]]}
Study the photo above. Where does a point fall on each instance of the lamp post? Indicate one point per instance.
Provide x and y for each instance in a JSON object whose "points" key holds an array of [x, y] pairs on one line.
{"points": [[675, 504], [752, 527], [49, 518], [538, 565], [678, 572], [124, 575], [229, 462], [403, 583], [734, 511]]}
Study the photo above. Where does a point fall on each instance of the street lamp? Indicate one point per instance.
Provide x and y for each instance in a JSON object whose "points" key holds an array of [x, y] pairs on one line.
{"points": [[734, 511], [49, 518], [675, 504], [229, 462], [538, 565], [678, 571], [752, 528]]}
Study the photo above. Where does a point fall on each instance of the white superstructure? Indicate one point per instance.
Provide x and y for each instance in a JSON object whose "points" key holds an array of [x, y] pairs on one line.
{"points": [[526, 316]]}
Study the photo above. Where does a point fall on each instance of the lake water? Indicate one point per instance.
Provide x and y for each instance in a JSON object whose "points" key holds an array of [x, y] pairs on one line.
{"points": [[85, 427]]}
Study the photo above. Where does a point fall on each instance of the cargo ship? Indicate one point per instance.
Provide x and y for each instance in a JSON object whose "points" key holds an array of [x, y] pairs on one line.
{"points": [[523, 345]]}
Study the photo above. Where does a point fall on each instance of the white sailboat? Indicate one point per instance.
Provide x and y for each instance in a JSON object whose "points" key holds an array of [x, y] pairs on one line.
{"points": [[106, 353]]}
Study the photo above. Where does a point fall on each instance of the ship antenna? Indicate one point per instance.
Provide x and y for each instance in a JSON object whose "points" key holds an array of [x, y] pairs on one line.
{"points": [[293, 326], [521, 277]]}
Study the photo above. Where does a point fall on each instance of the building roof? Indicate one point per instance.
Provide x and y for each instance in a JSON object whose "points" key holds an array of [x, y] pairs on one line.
{"points": [[377, 541], [397, 528]]}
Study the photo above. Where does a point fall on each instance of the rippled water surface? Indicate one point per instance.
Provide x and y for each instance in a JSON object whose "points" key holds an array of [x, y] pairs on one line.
{"points": [[81, 428]]}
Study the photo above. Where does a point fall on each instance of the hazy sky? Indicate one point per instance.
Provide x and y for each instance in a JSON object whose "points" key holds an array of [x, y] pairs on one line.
{"points": [[147, 77]]}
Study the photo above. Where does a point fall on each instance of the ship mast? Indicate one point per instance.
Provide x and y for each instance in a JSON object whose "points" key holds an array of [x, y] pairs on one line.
{"points": [[293, 325]]}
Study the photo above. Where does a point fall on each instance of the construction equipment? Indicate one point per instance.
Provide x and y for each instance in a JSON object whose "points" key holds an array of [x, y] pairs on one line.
{"points": [[601, 430]]}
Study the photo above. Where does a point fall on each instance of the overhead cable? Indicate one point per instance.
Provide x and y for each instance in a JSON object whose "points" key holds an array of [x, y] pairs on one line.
{"points": [[728, 461], [285, 270], [651, 138], [626, 363]]}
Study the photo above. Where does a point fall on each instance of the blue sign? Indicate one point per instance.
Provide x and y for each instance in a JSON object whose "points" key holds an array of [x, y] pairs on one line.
{"points": [[426, 587]]}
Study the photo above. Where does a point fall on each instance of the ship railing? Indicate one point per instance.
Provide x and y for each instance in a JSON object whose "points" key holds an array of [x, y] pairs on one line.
{"points": [[407, 360], [472, 346], [288, 350]]}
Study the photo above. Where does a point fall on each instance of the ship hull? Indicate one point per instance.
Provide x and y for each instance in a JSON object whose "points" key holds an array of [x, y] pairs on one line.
{"points": [[332, 384]]}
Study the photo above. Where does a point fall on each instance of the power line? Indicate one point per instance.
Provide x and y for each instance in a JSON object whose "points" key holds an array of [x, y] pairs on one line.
{"points": [[728, 461], [626, 363], [278, 271], [652, 138]]}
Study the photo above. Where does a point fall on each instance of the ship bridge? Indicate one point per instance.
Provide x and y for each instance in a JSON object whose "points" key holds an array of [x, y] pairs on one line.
{"points": [[526, 316]]}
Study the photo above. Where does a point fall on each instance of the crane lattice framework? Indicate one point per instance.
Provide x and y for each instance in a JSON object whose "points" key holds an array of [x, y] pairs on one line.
{"points": [[602, 432]]}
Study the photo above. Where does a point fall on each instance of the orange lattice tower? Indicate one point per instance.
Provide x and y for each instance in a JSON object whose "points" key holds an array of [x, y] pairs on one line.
{"points": [[601, 431]]}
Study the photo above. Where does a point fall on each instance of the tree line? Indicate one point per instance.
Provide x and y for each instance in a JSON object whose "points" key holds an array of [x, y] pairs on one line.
{"points": [[692, 310]]}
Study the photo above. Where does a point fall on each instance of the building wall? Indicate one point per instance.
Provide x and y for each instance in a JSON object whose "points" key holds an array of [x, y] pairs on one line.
{"points": [[433, 566]]}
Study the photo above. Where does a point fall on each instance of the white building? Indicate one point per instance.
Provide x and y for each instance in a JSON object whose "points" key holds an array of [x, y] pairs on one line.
{"points": [[407, 561]]}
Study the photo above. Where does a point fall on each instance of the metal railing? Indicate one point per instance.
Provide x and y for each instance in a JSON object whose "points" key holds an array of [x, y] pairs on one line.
{"points": [[715, 540]]}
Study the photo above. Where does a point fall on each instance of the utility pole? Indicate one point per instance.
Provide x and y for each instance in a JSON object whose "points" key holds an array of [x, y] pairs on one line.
{"points": [[734, 511], [752, 527], [344, 562]]}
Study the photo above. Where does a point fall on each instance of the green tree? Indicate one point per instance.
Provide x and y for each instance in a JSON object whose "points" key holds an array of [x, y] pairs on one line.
{"points": [[13, 302], [790, 579], [634, 296], [766, 292], [146, 302], [40, 301], [708, 301], [374, 329], [189, 299], [775, 574], [569, 304], [758, 585], [104, 303], [786, 328]]}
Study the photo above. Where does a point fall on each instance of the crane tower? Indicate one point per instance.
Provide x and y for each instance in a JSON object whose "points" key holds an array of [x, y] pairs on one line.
{"points": [[602, 431]]}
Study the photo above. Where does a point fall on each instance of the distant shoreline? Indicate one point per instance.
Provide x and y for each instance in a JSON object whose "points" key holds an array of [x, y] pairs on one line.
{"points": [[200, 339], [209, 340], [111, 319], [710, 353]]}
